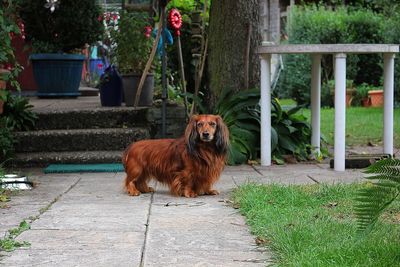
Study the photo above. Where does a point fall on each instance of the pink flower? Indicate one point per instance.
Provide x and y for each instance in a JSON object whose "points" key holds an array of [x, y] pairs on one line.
{"points": [[100, 66], [147, 31]]}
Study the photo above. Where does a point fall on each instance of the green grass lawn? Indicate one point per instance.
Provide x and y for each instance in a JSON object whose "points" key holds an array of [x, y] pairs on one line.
{"points": [[315, 226], [363, 125]]}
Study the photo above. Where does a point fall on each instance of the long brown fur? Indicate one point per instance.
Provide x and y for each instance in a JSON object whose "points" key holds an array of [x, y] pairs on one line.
{"points": [[189, 165]]}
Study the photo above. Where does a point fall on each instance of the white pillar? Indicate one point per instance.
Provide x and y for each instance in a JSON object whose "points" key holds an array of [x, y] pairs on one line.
{"points": [[388, 91], [316, 102], [266, 110], [340, 112]]}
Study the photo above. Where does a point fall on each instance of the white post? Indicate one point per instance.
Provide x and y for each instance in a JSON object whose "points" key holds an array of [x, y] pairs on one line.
{"points": [[340, 112], [388, 91], [266, 110], [316, 102]]}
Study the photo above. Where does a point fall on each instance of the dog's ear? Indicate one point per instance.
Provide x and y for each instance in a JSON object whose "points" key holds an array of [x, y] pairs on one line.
{"points": [[221, 136], [191, 134]]}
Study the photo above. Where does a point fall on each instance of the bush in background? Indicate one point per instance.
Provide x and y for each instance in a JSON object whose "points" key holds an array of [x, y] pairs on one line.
{"points": [[319, 25]]}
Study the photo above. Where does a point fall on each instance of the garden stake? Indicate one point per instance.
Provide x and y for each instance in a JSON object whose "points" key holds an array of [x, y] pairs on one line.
{"points": [[175, 20], [148, 64], [199, 75]]}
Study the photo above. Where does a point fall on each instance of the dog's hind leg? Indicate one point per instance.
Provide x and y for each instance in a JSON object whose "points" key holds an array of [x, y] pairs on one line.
{"points": [[132, 176], [142, 186]]}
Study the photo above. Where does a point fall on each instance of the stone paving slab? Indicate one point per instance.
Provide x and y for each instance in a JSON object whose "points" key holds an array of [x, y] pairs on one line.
{"points": [[85, 219]]}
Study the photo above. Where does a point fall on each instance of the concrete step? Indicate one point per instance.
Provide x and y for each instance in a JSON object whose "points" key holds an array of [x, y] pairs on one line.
{"points": [[91, 118], [79, 139], [43, 159]]}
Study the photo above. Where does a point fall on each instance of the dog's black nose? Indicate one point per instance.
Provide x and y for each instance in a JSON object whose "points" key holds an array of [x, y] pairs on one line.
{"points": [[206, 135]]}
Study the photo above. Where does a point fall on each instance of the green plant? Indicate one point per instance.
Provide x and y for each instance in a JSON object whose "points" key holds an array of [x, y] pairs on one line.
{"points": [[9, 28], [69, 26], [238, 110], [7, 141], [17, 113], [363, 89], [320, 25], [291, 132], [9, 243], [133, 42], [375, 197]]}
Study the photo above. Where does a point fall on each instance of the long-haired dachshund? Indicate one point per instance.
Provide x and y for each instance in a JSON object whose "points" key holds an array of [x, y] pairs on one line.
{"points": [[189, 165]]}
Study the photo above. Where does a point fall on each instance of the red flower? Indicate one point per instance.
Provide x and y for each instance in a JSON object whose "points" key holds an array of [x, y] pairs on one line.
{"points": [[100, 66], [8, 66], [147, 31]]}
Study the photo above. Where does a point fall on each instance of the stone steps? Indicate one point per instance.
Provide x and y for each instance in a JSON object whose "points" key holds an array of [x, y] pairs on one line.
{"points": [[43, 159], [92, 118], [79, 139], [87, 134]]}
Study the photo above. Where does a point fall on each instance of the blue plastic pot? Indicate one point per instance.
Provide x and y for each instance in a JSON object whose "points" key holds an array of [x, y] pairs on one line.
{"points": [[57, 75]]}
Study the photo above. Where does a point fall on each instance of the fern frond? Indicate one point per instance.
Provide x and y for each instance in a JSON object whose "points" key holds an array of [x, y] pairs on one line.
{"points": [[375, 197]]}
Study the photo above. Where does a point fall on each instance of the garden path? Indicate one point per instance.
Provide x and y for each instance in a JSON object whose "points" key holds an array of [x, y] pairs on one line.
{"points": [[85, 219]]}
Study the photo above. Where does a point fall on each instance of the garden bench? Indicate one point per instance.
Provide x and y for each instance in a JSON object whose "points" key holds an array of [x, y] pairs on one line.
{"points": [[339, 52]]}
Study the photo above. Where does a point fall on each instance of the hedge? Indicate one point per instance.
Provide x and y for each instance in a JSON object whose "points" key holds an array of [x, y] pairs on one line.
{"points": [[319, 25]]}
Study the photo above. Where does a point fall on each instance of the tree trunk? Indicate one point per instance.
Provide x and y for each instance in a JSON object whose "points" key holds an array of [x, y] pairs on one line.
{"points": [[233, 33]]}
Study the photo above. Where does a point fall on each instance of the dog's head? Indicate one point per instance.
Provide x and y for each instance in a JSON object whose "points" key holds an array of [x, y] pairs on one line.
{"points": [[207, 129]]}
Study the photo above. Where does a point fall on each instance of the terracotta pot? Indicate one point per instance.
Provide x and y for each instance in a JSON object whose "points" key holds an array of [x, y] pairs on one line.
{"points": [[2, 87], [376, 97], [366, 102]]}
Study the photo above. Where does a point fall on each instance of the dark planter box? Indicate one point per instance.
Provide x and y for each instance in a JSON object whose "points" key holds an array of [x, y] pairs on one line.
{"points": [[57, 75], [130, 85]]}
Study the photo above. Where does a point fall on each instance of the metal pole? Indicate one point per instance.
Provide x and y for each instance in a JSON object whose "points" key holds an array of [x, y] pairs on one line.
{"points": [[164, 95], [316, 103], [388, 91], [340, 112], [266, 110]]}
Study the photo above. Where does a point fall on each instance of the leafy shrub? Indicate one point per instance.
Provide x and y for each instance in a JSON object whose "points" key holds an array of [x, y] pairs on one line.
{"points": [[17, 113], [391, 31], [133, 42], [238, 110], [71, 25], [6, 141], [318, 25], [291, 133]]}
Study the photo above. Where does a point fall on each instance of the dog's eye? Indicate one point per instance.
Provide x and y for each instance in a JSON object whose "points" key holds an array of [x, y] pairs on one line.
{"points": [[212, 124], [200, 124]]}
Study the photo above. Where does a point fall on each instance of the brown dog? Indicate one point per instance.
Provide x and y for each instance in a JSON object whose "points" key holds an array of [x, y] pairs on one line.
{"points": [[189, 165]]}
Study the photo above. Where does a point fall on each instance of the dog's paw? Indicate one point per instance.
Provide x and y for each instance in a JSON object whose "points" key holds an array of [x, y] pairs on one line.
{"points": [[149, 189], [133, 192], [212, 192], [189, 194]]}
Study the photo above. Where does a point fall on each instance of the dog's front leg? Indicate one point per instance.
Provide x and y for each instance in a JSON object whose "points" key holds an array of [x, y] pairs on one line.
{"points": [[183, 185]]}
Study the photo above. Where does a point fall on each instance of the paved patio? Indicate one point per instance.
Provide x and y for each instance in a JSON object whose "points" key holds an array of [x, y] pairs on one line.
{"points": [[85, 219]]}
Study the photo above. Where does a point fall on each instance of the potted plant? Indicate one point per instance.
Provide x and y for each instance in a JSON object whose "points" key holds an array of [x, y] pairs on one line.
{"points": [[362, 94], [350, 91], [9, 68], [376, 96], [58, 31], [133, 47]]}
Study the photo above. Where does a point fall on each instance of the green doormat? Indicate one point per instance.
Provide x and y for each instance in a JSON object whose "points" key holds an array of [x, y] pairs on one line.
{"points": [[64, 168]]}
